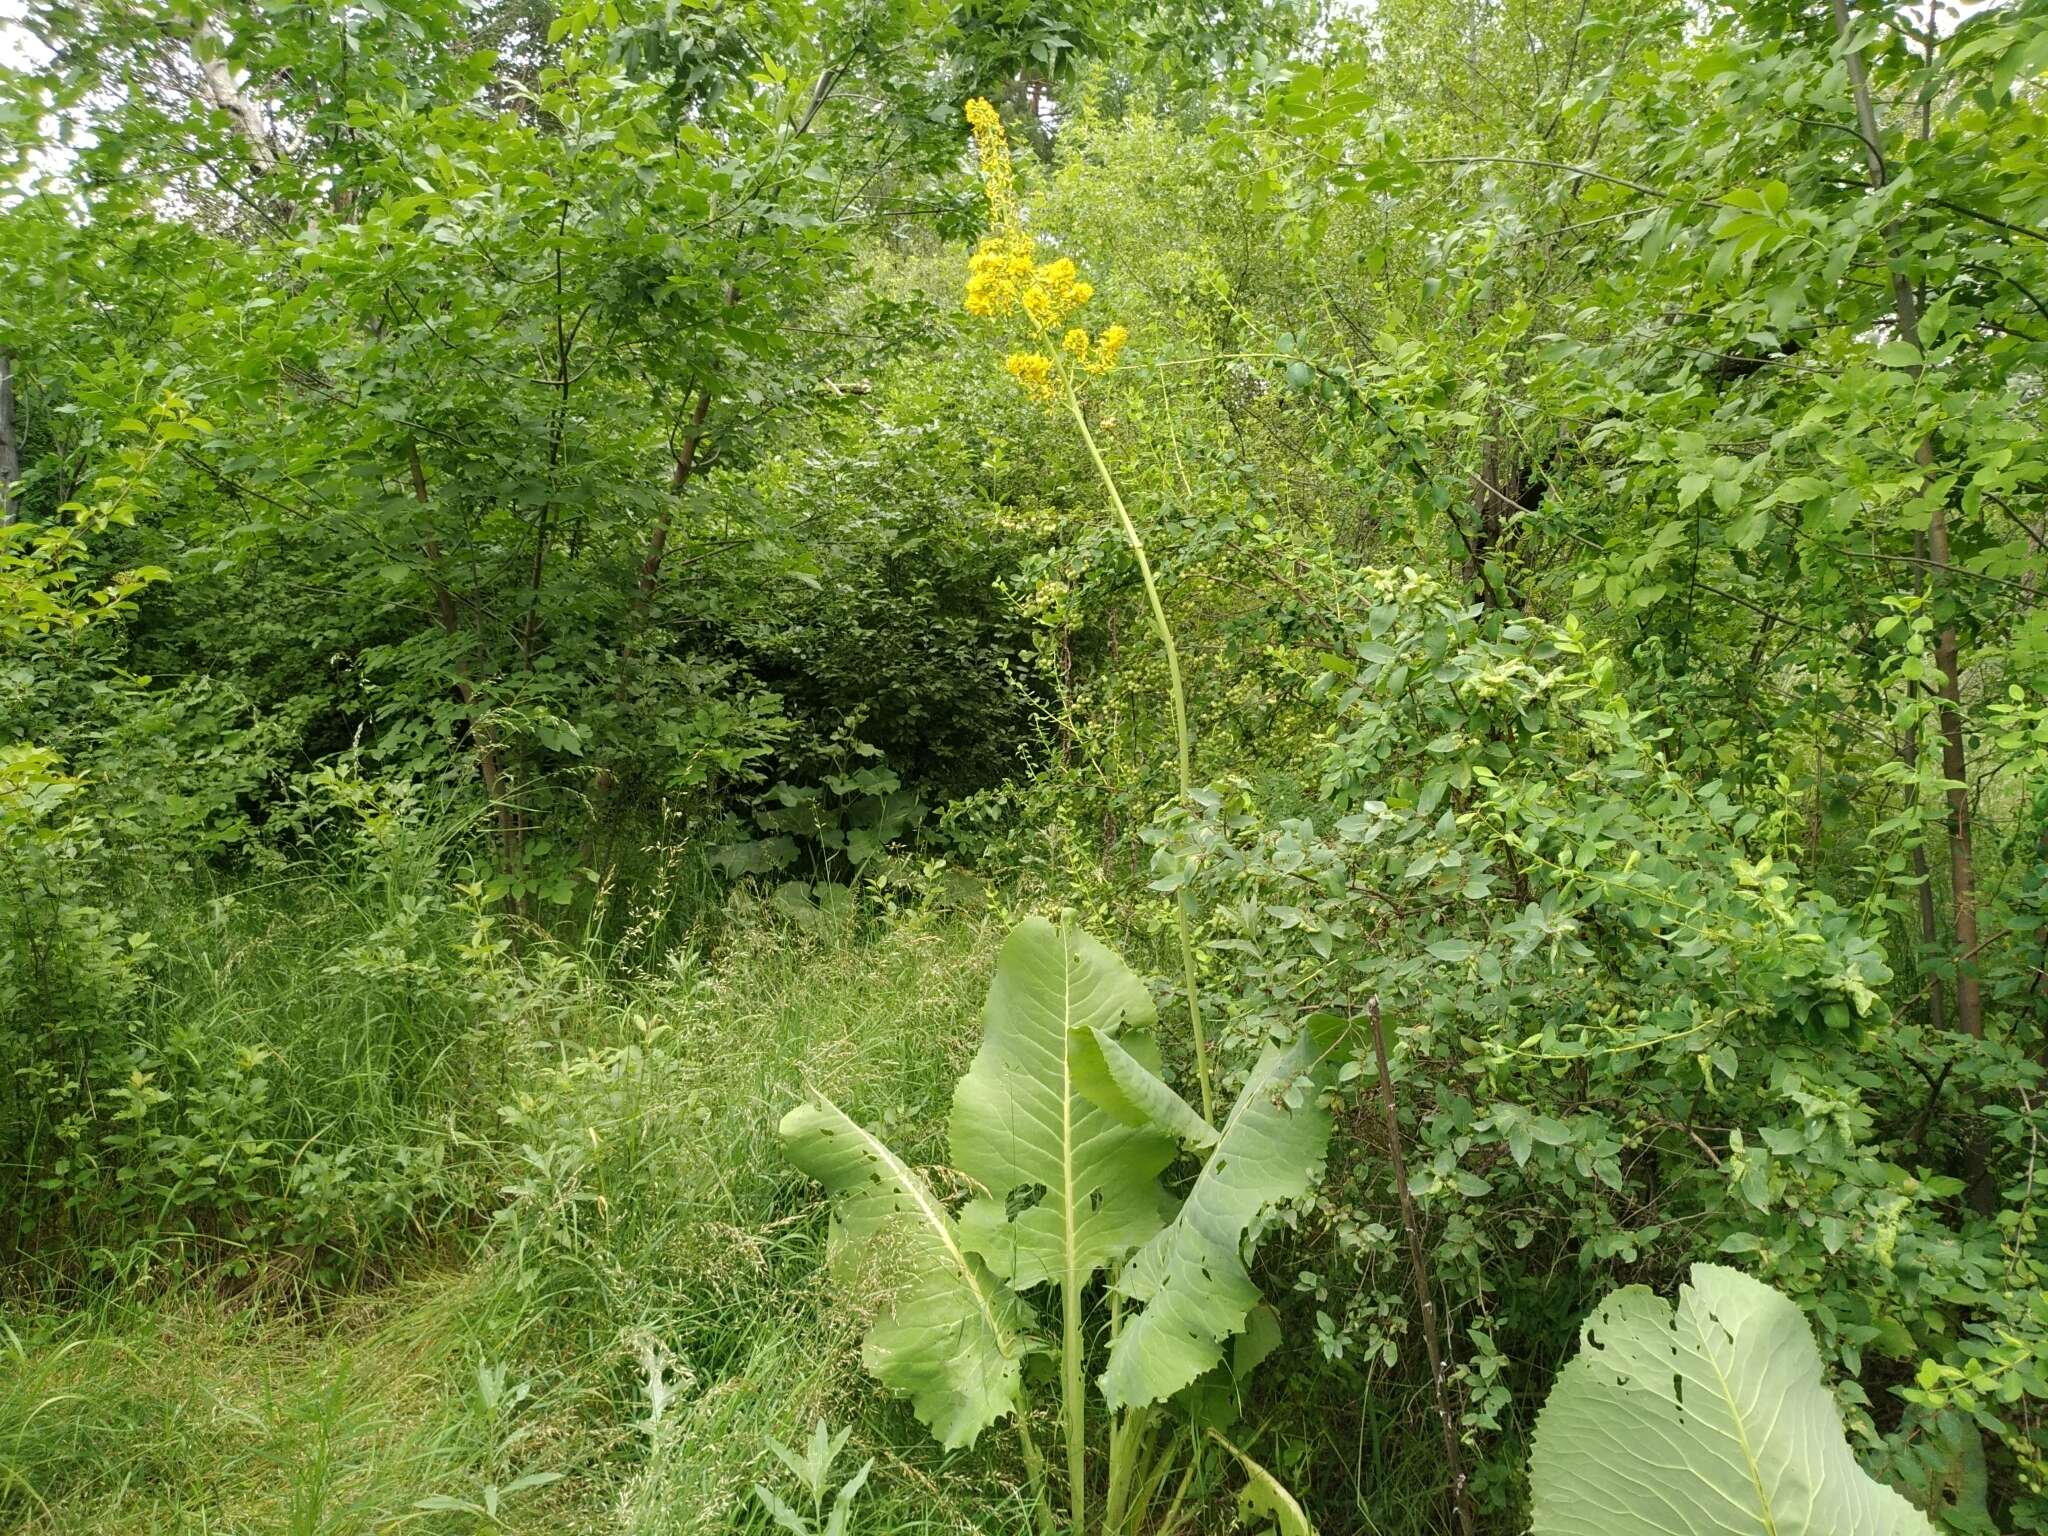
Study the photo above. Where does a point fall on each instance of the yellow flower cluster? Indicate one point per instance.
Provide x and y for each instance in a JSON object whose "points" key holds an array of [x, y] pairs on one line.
{"points": [[1098, 355], [997, 277], [1033, 370], [1004, 278], [993, 148]]}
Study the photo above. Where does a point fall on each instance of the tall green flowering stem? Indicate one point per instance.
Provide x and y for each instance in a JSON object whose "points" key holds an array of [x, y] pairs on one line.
{"points": [[1005, 281], [1178, 696]]}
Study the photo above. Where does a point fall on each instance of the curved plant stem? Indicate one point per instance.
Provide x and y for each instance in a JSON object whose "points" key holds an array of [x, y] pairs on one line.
{"points": [[1180, 730], [1461, 1496]]}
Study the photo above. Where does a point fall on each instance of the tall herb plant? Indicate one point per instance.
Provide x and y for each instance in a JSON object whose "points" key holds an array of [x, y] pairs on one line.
{"points": [[1062, 1128], [1035, 300]]}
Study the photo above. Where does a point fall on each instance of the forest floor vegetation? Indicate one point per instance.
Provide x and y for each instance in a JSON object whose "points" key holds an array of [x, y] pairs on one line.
{"points": [[609, 1338]]}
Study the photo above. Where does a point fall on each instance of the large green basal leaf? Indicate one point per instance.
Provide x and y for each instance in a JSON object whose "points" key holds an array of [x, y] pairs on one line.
{"points": [[1707, 1419], [947, 1334], [1191, 1279], [1070, 1186]]}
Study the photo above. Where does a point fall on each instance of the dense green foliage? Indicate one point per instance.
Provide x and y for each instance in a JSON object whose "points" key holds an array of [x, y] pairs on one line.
{"points": [[537, 631]]}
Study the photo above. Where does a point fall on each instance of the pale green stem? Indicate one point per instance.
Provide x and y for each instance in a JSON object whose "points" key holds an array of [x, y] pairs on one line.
{"points": [[1158, 1462], [1114, 1498], [1171, 1522], [1034, 1467], [1178, 697], [1127, 1438], [1074, 1383]]}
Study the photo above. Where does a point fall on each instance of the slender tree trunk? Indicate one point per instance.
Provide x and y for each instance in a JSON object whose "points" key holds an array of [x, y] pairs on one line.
{"points": [[1923, 884], [222, 92], [1947, 648], [10, 447], [565, 339], [1505, 489], [2040, 988], [510, 832], [686, 463], [1425, 1300], [603, 781]]}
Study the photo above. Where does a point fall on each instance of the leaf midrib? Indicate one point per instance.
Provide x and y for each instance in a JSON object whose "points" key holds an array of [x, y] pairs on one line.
{"points": [[934, 1218], [1756, 1477], [1067, 1110]]}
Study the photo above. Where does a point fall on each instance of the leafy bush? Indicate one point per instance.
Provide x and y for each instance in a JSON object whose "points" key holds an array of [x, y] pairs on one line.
{"points": [[268, 1087], [1625, 1039]]}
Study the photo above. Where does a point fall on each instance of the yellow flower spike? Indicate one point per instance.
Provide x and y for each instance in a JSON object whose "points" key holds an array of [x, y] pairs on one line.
{"points": [[1033, 370], [999, 272], [993, 148], [1107, 346], [1004, 278]]}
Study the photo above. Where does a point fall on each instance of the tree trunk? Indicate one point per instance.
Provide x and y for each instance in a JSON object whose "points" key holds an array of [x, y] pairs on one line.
{"points": [[1923, 886], [1980, 1184], [10, 448], [686, 461], [1947, 648], [1504, 490], [603, 781], [510, 836], [221, 92]]}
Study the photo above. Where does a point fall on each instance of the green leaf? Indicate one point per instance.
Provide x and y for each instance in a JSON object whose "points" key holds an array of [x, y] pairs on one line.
{"points": [[780, 1512], [842, 1505], [1264, 1502], [1708, 1419], [1069, 1186], [1747, 531], [948, 1335], [1191, 1279], [1260, 1338], [1113, 1078]]}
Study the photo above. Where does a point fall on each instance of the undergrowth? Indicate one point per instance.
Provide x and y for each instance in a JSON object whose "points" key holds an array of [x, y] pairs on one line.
{"points": [[603, 1307]]}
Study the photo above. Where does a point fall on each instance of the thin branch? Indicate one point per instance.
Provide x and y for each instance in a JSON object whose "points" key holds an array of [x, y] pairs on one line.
{"points": [[1987, 218], [1461, 1496]]}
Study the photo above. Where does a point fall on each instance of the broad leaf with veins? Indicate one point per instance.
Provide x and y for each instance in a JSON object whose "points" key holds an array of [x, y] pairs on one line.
{"points": [[1070, 1187], [1191, 1280], [949, 1335], [1113, 1077], [1704, 1419]]}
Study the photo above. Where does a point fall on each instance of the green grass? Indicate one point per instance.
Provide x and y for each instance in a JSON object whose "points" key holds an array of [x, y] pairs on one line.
{"points": [[191, 1416], [646, 1226], [564, 1200]]}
